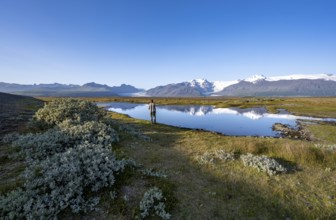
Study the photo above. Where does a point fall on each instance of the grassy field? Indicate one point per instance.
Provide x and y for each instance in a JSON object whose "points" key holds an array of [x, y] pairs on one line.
{"points": [[222, 189], [226, 190]]}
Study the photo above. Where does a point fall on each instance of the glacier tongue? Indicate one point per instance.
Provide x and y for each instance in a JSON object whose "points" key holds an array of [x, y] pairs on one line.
{"points": [[220, 85], [210, 87], [303, 76], [255, 78]]}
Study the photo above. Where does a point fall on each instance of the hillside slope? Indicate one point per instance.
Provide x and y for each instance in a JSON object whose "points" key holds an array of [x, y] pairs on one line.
{"points": [[15, 110]]}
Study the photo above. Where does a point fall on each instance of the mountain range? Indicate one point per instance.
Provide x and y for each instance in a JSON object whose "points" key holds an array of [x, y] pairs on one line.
{"points": [[257, 85]]}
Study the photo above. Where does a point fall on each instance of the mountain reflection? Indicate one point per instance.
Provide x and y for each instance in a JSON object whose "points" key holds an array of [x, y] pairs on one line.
{"points": [[120, 105], [202, 110], [196, 110]]}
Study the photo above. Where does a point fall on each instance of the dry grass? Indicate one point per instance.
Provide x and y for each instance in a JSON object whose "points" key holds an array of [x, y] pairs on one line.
{"points": [[226, 190], [324, 132]]}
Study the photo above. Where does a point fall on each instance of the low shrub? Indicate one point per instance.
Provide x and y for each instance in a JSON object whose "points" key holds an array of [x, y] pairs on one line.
{"points": [[209, 158], [224, 156], [328, 147], [152, 173], [66, 135], [153, 203], [59, 110], [59, 182], [263, 163], [64, 162]]}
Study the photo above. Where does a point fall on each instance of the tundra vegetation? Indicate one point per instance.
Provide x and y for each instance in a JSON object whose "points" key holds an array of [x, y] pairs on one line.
{"points": [[69, 158], [111, 166]]}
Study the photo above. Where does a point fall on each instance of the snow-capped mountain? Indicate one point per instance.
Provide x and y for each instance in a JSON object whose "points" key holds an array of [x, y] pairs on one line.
{"points": [[203, 85], [196, 87], [323, 76], [290, 85], [256, 78], [207, 87], [257, 85]]}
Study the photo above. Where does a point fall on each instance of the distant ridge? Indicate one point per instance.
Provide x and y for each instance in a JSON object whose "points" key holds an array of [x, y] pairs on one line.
{"points": [[257, 85], [91, 89]]}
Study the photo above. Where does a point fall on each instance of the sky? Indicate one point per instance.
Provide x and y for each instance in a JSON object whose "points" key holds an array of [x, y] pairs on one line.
{"points": [[147, 43]]}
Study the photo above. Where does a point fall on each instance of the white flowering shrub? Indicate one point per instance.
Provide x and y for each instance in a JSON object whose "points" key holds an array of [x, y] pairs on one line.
{"points": [[92, 131], [66, 135], [152, 173], [224, 156], [12, 205], [74, 156], [263, 163], [63, 109], [153, 203], [206, 158], [329, 147], [59, 182], [210, 158]]}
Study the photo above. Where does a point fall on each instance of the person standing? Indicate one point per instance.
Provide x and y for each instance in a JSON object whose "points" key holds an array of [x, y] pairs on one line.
{"points": [[152, 110]]}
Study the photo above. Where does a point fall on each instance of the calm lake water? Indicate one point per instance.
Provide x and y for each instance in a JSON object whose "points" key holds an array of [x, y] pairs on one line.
{"points": [[228, 121]]}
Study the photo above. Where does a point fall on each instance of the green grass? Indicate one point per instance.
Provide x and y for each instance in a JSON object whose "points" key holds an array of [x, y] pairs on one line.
{"points": [[10, 170], [226, 190], [326, 133]]}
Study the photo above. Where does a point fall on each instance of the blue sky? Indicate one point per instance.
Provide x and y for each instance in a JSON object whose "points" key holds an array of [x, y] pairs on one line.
{"points": [[147, 43]]}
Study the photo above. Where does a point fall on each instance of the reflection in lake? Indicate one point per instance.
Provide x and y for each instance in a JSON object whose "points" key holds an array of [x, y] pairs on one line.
{"points": [[229, 121]]}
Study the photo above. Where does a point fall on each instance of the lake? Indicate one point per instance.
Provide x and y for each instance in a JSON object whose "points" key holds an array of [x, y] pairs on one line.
{"points": [[228, 121]]}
